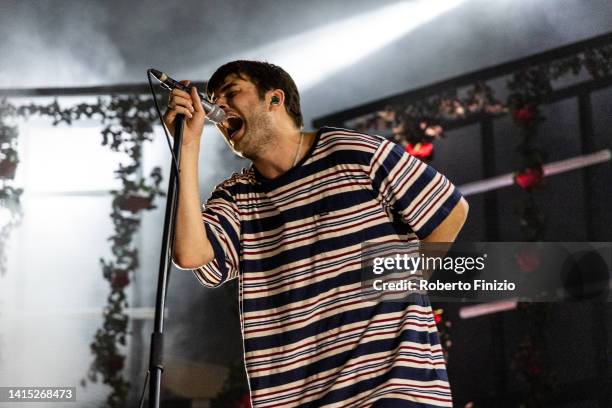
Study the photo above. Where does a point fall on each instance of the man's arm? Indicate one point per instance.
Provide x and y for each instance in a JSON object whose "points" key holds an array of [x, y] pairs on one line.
{"points": [[448, 229], [446, 233], [192, 248]]}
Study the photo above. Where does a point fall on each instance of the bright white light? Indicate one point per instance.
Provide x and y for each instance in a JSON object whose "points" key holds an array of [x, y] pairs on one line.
{"points": [[314, 55], [61, 159], [5, 216]]}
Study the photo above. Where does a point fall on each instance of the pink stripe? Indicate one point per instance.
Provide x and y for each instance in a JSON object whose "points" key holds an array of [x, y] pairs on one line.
{"points": [[432, 207]]}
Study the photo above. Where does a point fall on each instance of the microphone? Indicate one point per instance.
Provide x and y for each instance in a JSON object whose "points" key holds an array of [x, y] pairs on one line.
{"points": [[213, 112]]}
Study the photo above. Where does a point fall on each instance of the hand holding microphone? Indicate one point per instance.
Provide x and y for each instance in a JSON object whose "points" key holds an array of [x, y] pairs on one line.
{"points": [[189, 102], [213, 112]]}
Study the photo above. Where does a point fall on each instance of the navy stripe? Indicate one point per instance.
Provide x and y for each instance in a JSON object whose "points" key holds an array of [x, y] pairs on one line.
{"points": [[389, 162], [402, 403], [222, 195], [219, 253], [440, 215], [227, 227]]}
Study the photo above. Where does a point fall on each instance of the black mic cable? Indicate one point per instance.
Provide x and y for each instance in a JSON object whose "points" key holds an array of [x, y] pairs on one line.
{"points": [[161, 119]]}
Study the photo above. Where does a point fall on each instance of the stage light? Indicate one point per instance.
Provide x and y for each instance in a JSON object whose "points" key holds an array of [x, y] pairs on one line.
{"points": [[314, 55]]}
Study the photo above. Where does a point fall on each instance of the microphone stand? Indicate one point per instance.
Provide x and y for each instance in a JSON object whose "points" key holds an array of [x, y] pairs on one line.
{"points": [[165, 262]]}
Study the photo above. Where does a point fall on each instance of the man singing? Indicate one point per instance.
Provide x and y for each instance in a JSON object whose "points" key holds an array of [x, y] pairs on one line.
{"points": [[290, 228]]}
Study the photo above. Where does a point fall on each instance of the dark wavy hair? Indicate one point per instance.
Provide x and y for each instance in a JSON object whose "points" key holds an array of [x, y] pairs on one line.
{"points": [[266, 77]]}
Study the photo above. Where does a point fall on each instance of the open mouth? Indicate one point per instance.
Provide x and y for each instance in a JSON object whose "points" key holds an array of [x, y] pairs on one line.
{"points": [[234, 124]]}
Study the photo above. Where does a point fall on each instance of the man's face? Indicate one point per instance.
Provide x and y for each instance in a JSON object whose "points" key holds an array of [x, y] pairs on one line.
{"points": [[247, 125]]}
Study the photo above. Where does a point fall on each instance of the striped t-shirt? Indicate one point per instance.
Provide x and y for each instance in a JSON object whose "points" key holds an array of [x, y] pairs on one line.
{"points": [[310, 338]]}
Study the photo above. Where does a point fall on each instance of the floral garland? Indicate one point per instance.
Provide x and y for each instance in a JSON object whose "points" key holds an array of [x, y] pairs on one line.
{"points": [[9, 195], [416, 124], [530, 88], [127, 124], [131, 126]]}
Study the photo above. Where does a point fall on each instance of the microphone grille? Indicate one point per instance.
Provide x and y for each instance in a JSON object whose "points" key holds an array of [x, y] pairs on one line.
{"points": [[216, 114]]}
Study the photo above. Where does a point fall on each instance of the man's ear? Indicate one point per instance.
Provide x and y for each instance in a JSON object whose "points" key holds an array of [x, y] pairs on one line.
{"points": [[275, 98]]}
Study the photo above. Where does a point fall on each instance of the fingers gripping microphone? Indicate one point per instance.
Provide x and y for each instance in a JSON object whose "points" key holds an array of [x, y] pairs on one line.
{"points": [[213, 112]]}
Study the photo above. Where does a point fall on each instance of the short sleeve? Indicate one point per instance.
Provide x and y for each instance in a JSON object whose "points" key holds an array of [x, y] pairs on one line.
{"points": [[222, 222], [420, 195]]}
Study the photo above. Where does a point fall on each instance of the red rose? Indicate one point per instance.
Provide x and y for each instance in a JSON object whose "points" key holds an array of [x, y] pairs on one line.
{"points": [[7, 169], [534, 370], [120, 279], [135, 203], [244, 402], [527, 260], [420, 150], [114, 363], [524, 116], [437, 318], [529, 178]]}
